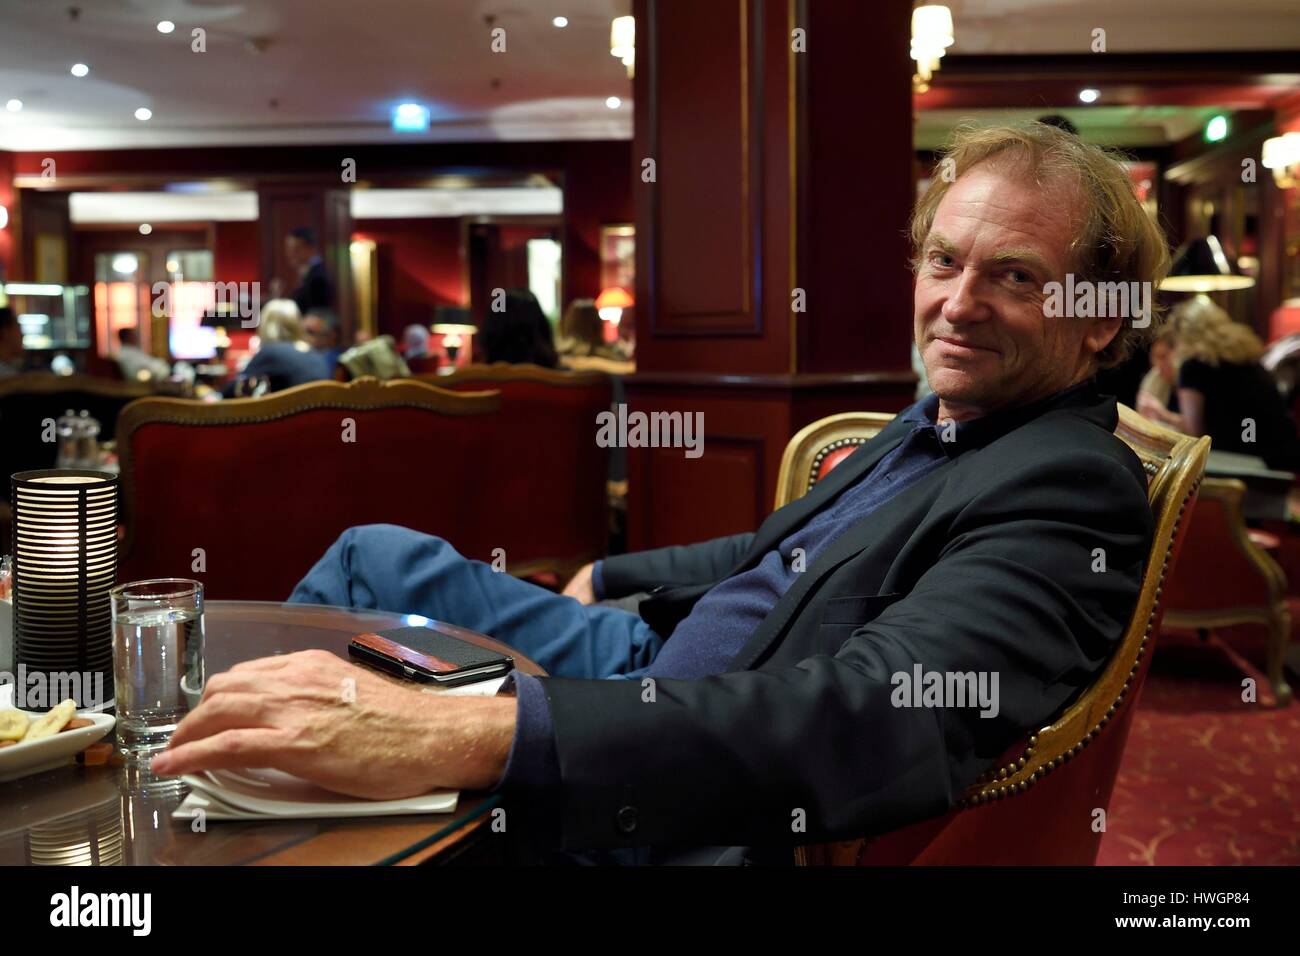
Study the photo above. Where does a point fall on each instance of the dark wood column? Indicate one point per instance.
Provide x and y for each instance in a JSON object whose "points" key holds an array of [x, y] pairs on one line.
{"points": [[285, 207], [782, 182]]}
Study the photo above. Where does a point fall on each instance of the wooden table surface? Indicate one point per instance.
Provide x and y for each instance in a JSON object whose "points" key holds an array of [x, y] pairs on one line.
{"points": [[122, 815]]}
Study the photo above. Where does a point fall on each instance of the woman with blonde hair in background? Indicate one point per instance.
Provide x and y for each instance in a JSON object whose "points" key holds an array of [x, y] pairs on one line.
{"points": [[283, 358], [1224, 392]]}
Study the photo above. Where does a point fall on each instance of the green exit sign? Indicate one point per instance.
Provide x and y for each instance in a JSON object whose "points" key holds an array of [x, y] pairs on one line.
{"points": [[1216, 129]]}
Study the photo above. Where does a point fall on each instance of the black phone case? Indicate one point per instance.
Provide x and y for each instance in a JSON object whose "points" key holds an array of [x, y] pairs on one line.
{"points": [[448, 660]]}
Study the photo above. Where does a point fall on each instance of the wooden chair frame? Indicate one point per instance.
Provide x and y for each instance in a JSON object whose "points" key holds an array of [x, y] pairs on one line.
{"points": [[506, 371], [1275, 615]]}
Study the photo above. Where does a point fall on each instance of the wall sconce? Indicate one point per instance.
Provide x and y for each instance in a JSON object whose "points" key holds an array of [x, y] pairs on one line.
{"points": [[65, 560], [4, 217], [622, 41], [932, 34], [1282, 155]]}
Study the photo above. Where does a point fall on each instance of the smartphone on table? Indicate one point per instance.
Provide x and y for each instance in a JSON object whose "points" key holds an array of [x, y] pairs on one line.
{"points": [[437, 654]]}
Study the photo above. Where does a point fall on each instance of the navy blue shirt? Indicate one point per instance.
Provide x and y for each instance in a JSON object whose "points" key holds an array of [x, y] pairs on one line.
{"points": [[709, 638]]}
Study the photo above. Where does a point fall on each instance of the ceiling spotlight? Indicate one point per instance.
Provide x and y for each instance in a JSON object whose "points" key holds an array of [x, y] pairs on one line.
{"points": [[13, 106], [80, 69], [166, 26], [143, 114], [560, 22], [145, 229], [1089, 96], [613, 102]]}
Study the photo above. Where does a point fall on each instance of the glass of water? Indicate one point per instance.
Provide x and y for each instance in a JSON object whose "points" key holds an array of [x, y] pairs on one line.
{"points": [[157, 659]]}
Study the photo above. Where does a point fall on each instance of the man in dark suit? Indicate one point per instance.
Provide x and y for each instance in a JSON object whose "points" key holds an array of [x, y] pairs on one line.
{"points": [[853, 664], [315, 290]]}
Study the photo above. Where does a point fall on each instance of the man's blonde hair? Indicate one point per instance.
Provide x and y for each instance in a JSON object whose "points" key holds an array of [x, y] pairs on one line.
{"points": [[1116, 241]]}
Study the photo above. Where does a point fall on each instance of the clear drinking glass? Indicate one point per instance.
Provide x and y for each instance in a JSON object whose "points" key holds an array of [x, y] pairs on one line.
{"points": [[157, 659]]}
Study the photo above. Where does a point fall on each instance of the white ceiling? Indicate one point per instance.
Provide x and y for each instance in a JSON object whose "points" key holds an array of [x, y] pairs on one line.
{"points": [[335, 68]]}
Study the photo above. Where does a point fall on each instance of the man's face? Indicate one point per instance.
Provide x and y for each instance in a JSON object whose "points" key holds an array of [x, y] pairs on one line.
{"points": [[1162, 359], [996, 240], [318, 332], [297, 252]]}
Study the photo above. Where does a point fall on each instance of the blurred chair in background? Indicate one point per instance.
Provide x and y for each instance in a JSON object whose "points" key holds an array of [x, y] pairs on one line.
{"points": [[245, 495]]}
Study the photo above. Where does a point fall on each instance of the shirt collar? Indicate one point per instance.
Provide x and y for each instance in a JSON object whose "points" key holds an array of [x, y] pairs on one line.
{"points": [[957, 437]]}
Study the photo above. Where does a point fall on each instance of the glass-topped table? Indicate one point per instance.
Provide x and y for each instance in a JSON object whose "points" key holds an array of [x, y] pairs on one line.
{"points": [[115, 815]]}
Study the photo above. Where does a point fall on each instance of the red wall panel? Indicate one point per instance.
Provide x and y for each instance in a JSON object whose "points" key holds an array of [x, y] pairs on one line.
{"points": [[420, 267]]}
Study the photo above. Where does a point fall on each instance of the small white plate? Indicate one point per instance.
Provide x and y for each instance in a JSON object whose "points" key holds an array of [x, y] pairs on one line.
{"points": [[33, 756]]}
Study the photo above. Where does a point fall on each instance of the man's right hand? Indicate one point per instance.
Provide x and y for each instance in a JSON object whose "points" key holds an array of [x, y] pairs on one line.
{"points": [[579, 586]]}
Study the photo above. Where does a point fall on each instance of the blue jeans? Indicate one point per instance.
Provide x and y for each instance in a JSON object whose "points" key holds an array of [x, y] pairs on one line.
{"points": [[388, 568]]}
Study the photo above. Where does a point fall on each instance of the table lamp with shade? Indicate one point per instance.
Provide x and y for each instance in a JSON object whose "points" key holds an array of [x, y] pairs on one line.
{"points": [[1202, 266], [64, 565], [454, 335], [610, 305]]}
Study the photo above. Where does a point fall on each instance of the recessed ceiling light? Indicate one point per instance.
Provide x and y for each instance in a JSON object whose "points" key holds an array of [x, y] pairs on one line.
{"points": [[143, 114], [1089, 96], [13, 106], [166, 26], [80, 69], [560, 22], [613, 102], [145, 229]]}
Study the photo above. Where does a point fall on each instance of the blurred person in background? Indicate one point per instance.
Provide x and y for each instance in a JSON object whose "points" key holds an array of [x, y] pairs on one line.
{"points": [[582, 333], [283, 355], [11, 343], [136, 364], [1157, 398], [520, 333], [1224, 392], [415, 350], [315, 289], [321, 328]]}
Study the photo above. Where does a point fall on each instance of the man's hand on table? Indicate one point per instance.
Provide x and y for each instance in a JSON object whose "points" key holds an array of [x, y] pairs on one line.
{"points": [[342, 727]]}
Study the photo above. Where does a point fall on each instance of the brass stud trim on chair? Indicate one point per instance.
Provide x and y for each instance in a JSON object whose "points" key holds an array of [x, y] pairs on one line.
{"points": [[815, 469]]}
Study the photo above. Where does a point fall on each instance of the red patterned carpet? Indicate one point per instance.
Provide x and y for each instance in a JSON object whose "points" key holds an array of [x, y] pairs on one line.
{"points": [[1207, 779]]}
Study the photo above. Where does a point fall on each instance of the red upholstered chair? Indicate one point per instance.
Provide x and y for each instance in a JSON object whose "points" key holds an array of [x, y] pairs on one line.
{"points": [[264, 485], [545, 477], [1036, 805], [1224, 578]]}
